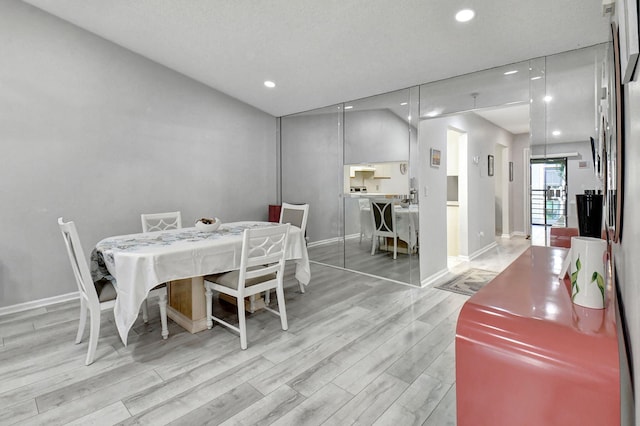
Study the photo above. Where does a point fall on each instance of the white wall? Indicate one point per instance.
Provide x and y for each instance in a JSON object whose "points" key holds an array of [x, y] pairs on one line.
{"points": [[97, 134], [482, 136]]}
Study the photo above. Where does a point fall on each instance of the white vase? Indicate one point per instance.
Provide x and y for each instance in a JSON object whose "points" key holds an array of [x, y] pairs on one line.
{"points": [[588, 257]]}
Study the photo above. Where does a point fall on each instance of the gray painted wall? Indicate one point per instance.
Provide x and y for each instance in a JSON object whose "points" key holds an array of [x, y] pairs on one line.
{"points": [[482, 137], [98, 134], [375, 136], [517, 189], [312, 169]]}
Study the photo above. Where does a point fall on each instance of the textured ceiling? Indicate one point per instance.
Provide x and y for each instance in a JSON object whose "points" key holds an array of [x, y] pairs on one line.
{"points": [[325, 52]]}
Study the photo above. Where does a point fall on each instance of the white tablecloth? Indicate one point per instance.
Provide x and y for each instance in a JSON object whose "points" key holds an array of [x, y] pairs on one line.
{"points": [[407, 219], [139, 262]]}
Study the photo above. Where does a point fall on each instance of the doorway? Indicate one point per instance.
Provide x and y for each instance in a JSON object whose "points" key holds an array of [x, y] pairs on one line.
{"points": [[548, 197]]}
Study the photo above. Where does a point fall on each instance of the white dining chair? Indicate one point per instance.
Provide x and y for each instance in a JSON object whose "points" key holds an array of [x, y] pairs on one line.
{"points": [[161, 221], [383, 220], [296, 215], [261, 269], [363, 205], [94, 297]]}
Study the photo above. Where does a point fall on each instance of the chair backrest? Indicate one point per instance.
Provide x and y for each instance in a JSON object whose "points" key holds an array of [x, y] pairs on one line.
{"points": [[78, 261], [263, 253], [295, 214], [383, 217], [161, 221]]}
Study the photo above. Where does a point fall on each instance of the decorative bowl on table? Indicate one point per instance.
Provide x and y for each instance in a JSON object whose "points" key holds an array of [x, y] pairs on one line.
{"points": [[208, 224], [404, 203]]}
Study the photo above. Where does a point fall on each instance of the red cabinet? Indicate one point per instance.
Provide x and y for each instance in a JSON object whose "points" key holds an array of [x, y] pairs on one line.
{"points": [[526, 355]]}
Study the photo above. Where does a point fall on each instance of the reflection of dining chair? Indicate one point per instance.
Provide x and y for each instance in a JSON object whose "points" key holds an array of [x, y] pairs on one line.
{"points": [[363, 203], [95, 297], [295, 214], [383, 219], [261, 269], [161, 221]]}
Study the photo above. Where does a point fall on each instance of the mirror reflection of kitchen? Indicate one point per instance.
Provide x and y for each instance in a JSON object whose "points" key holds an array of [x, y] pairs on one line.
{"points": [[378, 179]]}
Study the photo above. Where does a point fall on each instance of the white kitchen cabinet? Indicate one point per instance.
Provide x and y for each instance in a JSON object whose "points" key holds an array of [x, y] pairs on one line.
{"points": [[382, 171]]}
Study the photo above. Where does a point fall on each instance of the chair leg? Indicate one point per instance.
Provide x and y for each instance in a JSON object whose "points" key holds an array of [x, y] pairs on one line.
{"points": [[94, 335], [209, 296], [145, 312], [281, 308], [395, 248], [83, 319], [162, 303], [267, 297], [301, 287], [373, 245], [242, 323]]}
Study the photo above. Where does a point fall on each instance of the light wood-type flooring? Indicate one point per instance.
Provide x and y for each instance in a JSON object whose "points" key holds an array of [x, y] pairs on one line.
{"points": [[359, 350]]}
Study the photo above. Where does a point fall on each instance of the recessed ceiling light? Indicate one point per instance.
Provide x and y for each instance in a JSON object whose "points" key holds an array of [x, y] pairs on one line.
{"points": [[269, 84], [403, 104], [538, 77], [510, 72], [548, 98], [348, 107], [556, 133], [465, 15]]}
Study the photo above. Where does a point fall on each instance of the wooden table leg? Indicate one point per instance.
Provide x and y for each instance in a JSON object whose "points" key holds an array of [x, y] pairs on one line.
{"points": [[187, 305]]}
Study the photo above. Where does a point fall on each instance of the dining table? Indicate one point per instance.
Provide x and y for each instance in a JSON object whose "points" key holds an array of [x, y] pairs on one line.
{"points": [[136, 263]]}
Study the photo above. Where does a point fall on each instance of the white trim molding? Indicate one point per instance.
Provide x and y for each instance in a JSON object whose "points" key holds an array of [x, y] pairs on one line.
{"points": [[38, 303], [434, 277], [479, 252]]}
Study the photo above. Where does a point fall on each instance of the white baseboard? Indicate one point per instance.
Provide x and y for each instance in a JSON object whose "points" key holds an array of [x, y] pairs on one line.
{"points": [[508, 236], [434, 277], [324, 242], [38, 303], [479, 252], [519, 234]]}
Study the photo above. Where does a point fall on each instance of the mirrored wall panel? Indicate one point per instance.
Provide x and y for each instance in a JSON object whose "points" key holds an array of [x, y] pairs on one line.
{"points": [[380, 197], [311, 166], [564, 161], [473, 132]]}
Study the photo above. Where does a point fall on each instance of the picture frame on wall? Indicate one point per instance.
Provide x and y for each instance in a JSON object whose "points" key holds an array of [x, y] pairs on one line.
{"points": [[490, 166], [435, 157], [510, 171], [628, 38]]}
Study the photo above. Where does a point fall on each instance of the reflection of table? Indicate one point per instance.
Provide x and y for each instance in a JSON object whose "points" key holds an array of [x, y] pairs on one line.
{"points": [[406, 221], [140, 262]]}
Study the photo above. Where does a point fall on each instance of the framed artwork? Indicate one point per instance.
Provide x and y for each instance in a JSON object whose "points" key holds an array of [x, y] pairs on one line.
{"points": [[435, 157], [510, 171], [615, 152], [627, 11], [490, 169]]}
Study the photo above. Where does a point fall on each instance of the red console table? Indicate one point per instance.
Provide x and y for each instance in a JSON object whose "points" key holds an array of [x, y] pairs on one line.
{"points": [[526, 355]]}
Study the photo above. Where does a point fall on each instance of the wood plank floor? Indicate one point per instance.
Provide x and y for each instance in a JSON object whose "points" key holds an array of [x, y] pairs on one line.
{"points": [[359, 350]]}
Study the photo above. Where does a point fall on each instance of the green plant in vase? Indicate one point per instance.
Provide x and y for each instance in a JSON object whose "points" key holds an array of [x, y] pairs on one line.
{"points": [[574, 279], [600, 281]]}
